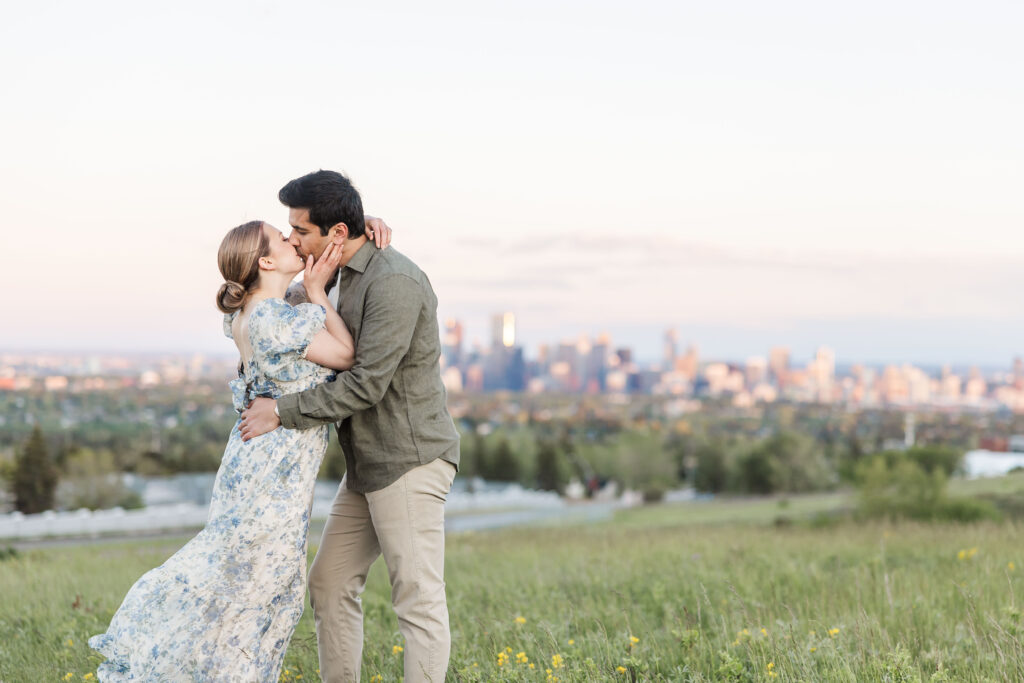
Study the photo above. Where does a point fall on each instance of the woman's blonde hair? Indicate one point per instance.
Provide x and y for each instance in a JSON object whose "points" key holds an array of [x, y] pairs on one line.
{"points": [[239, 261]]}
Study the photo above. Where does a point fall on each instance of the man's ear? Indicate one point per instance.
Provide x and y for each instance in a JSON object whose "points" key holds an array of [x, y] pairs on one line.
{"points": [[339, 233]]}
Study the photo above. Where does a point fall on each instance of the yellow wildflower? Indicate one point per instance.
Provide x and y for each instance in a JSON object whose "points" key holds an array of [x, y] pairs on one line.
{"points": [[833, 632], [556, 661], [520, 620], [764, 631], [68, 676], [972, 552], [621, 669], [531, 665], [1011, 566], [962, 555], [376, 678], [814, 649], [70, 643], [508, 650], [88, 677], [633, 640], [573, 642], [521, 658], [771, 665]]}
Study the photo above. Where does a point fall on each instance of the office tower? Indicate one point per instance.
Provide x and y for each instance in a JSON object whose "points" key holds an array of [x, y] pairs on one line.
{"points": [[688, 363], [778, 364], [671, 340], [451, 343], [756, 370], [503, 330]]}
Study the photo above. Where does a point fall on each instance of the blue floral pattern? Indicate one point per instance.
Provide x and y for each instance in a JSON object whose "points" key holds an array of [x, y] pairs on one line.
{"points": [[224, 607]]}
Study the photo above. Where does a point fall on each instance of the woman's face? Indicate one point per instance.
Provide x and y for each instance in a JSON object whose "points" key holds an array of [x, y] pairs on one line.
{"points": [[284, 256]]}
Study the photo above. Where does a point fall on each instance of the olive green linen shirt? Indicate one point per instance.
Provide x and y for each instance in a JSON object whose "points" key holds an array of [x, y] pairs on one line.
{"points": [[390, 408]]}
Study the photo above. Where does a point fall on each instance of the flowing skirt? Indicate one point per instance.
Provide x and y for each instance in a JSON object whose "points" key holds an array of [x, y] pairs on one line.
{"points": [[224, 607]]}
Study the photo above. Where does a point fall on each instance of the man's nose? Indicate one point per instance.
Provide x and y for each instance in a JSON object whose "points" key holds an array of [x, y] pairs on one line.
{"points": [[293, 239]]}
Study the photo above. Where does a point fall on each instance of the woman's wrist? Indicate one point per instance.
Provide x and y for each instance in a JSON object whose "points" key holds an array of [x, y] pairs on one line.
{"points": [[319, 298]]}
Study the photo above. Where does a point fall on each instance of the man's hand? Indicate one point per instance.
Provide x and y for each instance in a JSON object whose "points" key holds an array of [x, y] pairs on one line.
{"points": [[378, 232], [259, 418]]}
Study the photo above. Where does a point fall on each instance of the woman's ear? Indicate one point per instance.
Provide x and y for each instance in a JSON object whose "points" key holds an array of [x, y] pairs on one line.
{"points": [[266, 263]]}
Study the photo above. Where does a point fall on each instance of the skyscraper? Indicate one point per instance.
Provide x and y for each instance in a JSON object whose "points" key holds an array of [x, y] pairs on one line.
{"points": [[503, 330], [671, 340], [778, 364], [451, 343]]}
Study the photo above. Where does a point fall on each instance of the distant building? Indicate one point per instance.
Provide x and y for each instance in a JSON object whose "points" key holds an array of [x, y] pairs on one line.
{"points": [[778, 364]]}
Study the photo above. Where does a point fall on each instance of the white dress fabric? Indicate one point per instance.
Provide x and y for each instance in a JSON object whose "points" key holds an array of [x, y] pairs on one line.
{"points": [[224, 607]]}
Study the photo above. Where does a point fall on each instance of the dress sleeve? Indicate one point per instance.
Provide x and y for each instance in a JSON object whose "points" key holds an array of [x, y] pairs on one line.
{"points": [[286, 329], [228, 319]]}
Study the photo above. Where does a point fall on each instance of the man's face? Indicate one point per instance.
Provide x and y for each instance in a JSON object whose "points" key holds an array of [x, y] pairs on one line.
{"points": [[305, 236]]}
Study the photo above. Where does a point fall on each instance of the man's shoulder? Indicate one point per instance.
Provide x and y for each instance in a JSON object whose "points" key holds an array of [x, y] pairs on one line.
{"points": [[390, 262]]}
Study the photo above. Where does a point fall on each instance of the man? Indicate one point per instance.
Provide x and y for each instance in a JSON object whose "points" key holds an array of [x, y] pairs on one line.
{"points": [[401, 447]]}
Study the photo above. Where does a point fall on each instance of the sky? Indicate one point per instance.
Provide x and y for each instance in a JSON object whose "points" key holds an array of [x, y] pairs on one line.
{"points": [[751, 174]]}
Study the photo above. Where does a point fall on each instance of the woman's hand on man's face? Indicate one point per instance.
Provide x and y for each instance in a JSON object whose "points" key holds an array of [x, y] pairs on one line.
{"points": [[318, 273]]}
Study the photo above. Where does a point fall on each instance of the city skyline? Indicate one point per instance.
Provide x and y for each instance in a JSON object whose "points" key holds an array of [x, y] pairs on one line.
{"points": [[504, 330]]}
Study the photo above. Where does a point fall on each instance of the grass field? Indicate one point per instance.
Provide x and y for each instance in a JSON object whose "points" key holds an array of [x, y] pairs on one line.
{"points": [[664, 593]]}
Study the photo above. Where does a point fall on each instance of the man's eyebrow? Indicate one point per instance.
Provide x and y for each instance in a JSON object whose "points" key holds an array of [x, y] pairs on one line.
{"points": [[296, 227]]}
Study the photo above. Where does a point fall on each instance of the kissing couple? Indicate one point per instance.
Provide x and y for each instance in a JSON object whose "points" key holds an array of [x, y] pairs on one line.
{"points": [[356, 344]]}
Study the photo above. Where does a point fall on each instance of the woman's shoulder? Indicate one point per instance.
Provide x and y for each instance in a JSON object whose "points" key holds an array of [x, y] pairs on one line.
{"points": [[278, 308], [284, 325]]}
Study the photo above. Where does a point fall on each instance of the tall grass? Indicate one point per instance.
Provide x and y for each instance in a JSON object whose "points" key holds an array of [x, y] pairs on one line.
{"points": [[624, 601]]}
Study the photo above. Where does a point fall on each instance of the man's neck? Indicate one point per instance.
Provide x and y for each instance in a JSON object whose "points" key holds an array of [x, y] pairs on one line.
{"points": [[351, 247]]}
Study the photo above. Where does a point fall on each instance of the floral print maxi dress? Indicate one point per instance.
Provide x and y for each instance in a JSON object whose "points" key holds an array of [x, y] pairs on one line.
{"points": [[224, 607]]}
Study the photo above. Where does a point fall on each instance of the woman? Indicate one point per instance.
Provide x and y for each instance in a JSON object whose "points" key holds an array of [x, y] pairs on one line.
{"points": [[224, 607]]}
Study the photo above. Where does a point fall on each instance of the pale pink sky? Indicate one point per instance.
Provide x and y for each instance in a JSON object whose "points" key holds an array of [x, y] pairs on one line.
{"points": [[749, 173]]}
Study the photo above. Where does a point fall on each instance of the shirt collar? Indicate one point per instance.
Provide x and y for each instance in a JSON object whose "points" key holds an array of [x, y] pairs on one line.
{"points": [[361, 258]]}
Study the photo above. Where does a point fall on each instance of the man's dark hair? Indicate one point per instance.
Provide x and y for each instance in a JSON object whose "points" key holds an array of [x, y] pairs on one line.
{"points": [[330, 198]]}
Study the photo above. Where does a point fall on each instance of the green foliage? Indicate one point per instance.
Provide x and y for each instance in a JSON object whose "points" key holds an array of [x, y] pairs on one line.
{"points": [[897, 487], [898, 667], [551, 470], [713, 470], [35, 476], [785, 462], [503, 466], [92, 480]]}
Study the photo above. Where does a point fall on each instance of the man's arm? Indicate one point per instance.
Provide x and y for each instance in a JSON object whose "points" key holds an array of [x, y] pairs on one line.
{"points": [[391, 310]]}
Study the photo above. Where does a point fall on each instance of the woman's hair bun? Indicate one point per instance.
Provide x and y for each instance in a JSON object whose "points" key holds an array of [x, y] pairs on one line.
{"points": [[230, 296]]}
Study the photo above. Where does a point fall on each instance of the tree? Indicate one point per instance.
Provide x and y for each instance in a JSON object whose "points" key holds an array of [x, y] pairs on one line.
{"points": [[712, 472], [549, 469], [35, 476], [504, 466]]}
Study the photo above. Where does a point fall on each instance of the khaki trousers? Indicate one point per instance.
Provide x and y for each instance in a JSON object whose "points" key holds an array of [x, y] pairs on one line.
{"points": [[405, 523]]}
